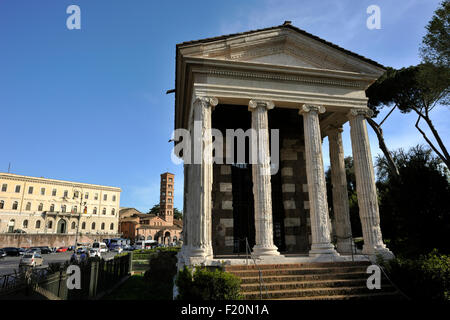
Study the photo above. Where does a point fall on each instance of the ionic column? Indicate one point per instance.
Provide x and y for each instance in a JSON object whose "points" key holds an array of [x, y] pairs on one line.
{"points": [[339, 190], [262, 190], [321, 243], [201, 178], [365, 185]]}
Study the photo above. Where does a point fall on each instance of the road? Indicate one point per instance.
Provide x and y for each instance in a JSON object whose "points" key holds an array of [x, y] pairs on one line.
{"points": [[9, 264]]}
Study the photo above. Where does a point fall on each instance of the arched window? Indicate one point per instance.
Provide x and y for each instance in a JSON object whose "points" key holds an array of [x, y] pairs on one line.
{"points": [[103, 226], [111, 227], [50, 224], [104, 211], [149, 238], [2, 204], [28, 206], [73, 225], [52, 208], [95, 210], [83, 225], [15, 205], [25, 223], [41, 207], [113, 211], [93, 226], [38, 224]]}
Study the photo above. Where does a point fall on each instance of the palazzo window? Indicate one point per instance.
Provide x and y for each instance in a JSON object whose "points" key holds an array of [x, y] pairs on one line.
{"points": [[28, 206], [17, 189]]}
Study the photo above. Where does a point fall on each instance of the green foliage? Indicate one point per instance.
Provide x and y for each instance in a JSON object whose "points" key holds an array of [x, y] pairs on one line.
{"points": [[435, 46], [426, 278], [162, 270], [177, 214], [414, 207], [206, 284]]}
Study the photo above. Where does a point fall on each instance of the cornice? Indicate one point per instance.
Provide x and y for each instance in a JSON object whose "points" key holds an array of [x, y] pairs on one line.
{"points": [[13, 177]]}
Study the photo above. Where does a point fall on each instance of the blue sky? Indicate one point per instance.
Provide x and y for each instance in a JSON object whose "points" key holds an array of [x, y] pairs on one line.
{"points": [[89, 105]]}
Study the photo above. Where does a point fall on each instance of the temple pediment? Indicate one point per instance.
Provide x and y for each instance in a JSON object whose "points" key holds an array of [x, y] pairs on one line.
{"points": [[283, 45]]}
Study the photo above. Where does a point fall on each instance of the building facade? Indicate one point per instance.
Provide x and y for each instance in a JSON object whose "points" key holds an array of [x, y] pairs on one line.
{"points": [[305, 88], [48, 206], [163, 228]]}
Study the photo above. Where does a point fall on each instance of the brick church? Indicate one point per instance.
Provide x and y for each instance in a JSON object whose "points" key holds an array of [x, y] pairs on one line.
{"points": [[135, 225]]}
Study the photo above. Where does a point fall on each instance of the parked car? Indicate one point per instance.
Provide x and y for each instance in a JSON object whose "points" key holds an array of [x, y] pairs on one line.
{"points": [[101, 246], [62, 249], [22, 251], [117, 249], [71, 248], [34, 249], [94, 253], [81, 250], [45, 249], [11, 251], [2, 253], [19, 231], [31, 259]]}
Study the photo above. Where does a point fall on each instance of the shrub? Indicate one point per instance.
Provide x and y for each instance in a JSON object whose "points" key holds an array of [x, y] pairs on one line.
{"points": [[206, 284], [425, 278]]}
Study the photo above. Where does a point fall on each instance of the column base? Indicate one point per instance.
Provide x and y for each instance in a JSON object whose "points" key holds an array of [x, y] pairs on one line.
{"points": [[379, 250], [260, 251], [345, 246], [191, 256], [322, 249]]}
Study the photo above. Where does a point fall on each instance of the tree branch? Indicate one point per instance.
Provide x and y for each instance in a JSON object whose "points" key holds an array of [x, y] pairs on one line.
{"points": [[390, 161]]}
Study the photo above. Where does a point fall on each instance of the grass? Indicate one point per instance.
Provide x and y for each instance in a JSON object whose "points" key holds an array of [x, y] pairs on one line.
{"points": [[139, 288]]}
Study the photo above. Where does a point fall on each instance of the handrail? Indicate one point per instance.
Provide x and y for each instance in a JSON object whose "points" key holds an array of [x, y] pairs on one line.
{"points": [[261, 281]]}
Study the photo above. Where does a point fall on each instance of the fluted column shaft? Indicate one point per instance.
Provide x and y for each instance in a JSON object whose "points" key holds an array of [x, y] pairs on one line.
{"points": [[365, 184], [320, 232], [201, 179], [339, 191], [262, 190]]}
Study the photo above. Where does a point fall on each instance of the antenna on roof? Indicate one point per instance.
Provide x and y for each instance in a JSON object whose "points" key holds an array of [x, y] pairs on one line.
{"points": [[9, 167]]}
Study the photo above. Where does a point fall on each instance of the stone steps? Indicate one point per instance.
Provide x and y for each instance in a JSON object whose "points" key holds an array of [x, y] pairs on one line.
{"points": [[303, 285], [314, 281], [297, 271], [309, 277]]}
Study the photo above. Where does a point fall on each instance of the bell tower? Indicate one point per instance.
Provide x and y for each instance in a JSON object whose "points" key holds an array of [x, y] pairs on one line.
{"points": [[166, 197]]}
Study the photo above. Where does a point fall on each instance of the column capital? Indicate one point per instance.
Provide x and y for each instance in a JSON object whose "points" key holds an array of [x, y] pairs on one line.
{"points": [[333, 129], [207, 101], [311, 107], [366, 112], [254, 103]]}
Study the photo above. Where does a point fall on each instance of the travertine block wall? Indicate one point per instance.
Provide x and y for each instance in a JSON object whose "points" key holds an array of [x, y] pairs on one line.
{"points": [[295, 193], [222, 210]]}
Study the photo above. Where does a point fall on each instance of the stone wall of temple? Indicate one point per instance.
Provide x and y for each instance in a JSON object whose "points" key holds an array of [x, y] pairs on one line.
{"points": [[222, 210]]}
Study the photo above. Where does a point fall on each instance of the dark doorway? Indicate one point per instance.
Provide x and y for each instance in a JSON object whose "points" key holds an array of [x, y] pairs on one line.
{"points": [[243, 214]]}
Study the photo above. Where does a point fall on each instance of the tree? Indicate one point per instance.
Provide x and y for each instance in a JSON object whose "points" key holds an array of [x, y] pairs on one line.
{"points": [[379, 95], [414, 206], [435, 46], [177, 214], [418, 88], [155, 210]]}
